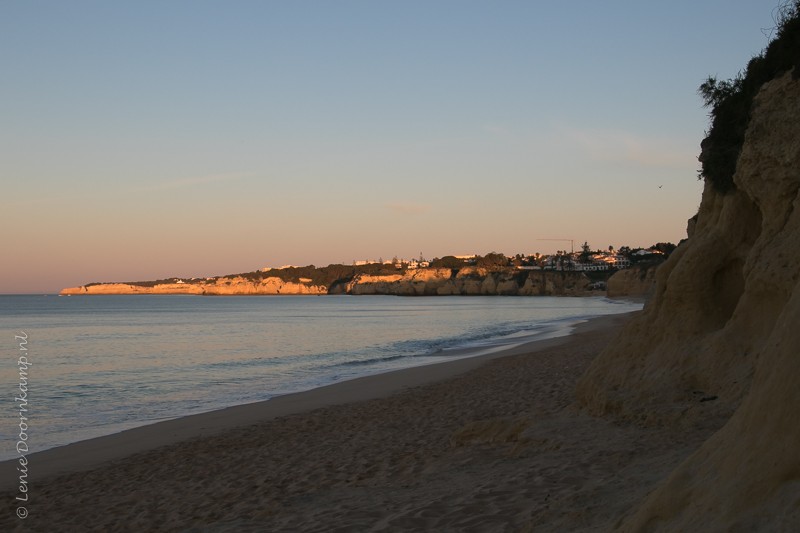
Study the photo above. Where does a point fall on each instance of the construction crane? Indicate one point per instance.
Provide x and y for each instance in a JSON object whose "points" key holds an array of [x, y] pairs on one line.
{"points": [[571, 243]]}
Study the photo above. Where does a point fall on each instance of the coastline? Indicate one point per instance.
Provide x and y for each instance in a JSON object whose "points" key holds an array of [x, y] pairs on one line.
{"points": [[111, 382], [491, 442], [362, 280], [87, 454]]}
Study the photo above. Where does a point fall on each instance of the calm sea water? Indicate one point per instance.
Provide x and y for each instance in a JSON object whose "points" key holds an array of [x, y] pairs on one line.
{"points": [[102, 364]]}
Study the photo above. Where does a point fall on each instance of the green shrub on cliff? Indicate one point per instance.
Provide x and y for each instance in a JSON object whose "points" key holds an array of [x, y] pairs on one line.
{"points": [[322, 276], [730, 100], [492, 261], [146, 283], [448, 261]]}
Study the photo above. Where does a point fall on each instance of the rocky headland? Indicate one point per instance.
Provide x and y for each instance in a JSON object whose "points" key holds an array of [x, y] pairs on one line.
{"points": [[417, 282]]}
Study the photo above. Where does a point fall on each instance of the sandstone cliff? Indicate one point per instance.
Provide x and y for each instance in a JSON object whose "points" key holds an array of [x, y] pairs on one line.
{"points": [[216, 286], [638, 282], [420, 282], [720, 338], [469, 281]]}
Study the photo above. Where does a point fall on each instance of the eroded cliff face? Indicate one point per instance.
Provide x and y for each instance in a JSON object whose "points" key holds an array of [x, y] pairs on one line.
{"points": [[470, 281], [720, 338], [421, 282], [637, 282], [218, 286]]}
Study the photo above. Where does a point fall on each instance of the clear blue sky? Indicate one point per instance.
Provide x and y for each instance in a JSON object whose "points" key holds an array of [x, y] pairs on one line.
{"points": [[142, 140]]}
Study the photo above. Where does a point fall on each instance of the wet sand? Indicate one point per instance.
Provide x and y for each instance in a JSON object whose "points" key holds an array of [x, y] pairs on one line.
{"points": [[491, 443]]}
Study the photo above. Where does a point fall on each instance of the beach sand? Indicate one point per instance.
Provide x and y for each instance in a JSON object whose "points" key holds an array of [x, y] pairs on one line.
{"points": [[490, 443]]}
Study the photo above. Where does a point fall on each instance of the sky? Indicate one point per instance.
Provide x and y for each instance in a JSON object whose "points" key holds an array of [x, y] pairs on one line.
{"points": [[149, 139]]}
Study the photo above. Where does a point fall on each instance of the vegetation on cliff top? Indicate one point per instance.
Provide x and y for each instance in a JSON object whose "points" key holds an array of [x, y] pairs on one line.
{"points": [[337, 274], [730, 101], [322, 276]]}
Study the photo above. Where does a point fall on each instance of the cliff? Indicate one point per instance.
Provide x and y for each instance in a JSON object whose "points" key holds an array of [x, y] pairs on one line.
{"points": [[216, 286], [637, 282], [420, 282], [719, 340], [470, 281]]}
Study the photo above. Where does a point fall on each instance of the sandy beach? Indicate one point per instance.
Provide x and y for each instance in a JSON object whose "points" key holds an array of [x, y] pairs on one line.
{"points": [[490, 443]]}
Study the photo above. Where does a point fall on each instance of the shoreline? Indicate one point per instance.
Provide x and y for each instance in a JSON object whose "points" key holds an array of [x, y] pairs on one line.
{"points": [[493, 443], [92, 453]]}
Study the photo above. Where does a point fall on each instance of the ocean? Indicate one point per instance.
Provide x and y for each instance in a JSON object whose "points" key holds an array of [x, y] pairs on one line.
{"points": [[102, 364]]}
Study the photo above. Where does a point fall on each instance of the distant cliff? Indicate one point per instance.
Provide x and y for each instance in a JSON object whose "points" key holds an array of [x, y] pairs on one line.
{"points": [[638, 281], [470, 281], [418, 282], [215, 287]]}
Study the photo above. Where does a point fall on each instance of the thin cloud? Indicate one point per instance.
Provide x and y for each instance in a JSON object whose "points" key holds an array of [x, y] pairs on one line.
{"points": [[619, 146], [408, 209]]}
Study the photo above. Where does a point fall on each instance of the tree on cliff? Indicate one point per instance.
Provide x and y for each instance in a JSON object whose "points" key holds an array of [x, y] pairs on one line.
{"points": [[665, 248], [586, 253], [492, 261], [447, 261], [730, 101]]}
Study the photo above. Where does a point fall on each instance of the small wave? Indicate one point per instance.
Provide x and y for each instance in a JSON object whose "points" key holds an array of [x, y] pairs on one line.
{"points": [[370, 361]]}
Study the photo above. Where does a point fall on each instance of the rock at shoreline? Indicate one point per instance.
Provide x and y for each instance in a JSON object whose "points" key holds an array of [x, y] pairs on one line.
{"points": [[638, 281]]}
